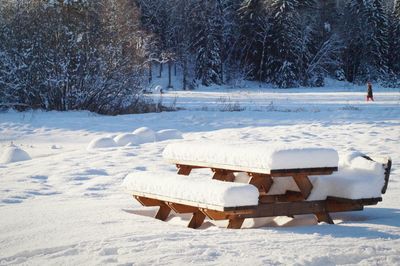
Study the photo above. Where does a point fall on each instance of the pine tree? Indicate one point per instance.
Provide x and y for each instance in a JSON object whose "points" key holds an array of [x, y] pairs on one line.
{"points": [[394, 43], [285, 59], [209, 42]]}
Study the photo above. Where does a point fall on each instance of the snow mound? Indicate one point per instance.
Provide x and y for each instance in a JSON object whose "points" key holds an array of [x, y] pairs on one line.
{"points": [[167, 134], [144, 135], [14, 154], [126, 138], [101, 142]]}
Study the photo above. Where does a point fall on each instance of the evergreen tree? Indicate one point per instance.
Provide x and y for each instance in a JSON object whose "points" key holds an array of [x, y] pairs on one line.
{"points": [[209, 42], [285, 58], [394, 41]]}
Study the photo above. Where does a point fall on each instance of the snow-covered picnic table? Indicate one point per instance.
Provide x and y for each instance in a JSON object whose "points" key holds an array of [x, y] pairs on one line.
{"points": [[258, 180]]}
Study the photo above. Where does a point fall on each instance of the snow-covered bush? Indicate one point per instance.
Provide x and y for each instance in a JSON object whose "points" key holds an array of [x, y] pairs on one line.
{"points": [[93, 61], [144, 135], [13, 154], [126, 138], [167, 134], [101, 142]]}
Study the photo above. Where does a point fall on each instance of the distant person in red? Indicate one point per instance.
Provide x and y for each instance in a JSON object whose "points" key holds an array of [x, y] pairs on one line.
{"points": [[370, 95]]}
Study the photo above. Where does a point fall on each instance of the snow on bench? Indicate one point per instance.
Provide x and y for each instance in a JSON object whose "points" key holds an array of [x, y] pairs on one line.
{"points": [[203, 193], [358, 178], [258, 158]]}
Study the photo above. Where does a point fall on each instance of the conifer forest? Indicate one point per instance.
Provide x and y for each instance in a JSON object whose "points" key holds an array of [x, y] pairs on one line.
{"points": [[101, 55]]}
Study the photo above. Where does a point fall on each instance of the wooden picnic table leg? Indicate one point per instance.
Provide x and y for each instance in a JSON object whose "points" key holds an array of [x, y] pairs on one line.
{"points": [[262, 181], [324, 217], [235, 223], [197, 219], [304, 184], [184, 169], [163, 212]]}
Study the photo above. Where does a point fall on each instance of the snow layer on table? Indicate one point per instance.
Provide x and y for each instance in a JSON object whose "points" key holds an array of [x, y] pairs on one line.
{"points": [[357, 178], [13, 154], [261, 157], [203, 191]]}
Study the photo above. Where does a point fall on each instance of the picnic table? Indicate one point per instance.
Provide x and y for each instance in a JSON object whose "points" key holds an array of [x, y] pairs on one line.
{"points": [[264, 166]]}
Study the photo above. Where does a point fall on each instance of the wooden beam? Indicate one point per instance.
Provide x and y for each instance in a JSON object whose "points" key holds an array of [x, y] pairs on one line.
{"points": [[148, 202], [262, 181], [214, 215], [289, 196], [302, 207], [307, 171], [181, 208], [304, 184], [163, 213], [197, 219], [235, 223]]}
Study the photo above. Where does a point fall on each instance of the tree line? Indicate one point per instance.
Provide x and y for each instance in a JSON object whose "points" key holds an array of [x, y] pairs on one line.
{"points": [[287, 43], [100, 55]]}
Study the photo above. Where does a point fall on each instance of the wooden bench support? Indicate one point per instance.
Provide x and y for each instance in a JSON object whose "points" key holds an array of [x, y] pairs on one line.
{"points": [[180, 208], [236, 216], [184, 169], [223, 175], [197, 219], [235, 223], [324, 217], [148, 202], [304, 184], [163, 213], [262, 181]]}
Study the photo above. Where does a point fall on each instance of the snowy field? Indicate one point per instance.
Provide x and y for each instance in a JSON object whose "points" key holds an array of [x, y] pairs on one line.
{"points": [[67, 206]]}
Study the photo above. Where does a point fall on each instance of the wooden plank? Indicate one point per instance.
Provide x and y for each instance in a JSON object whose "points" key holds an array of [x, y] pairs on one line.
{"points": [[181, 208], [302, 207], [304, 184], [197, 219], [324, 217], [235, 223], [262, 181], [237, 168], [289, 196], [163, 213], [214, 215], [308, 171], [148, 202]]}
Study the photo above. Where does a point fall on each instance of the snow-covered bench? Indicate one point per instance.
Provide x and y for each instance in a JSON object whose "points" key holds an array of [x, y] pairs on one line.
{"points": [[279, 181], [184, 195]]}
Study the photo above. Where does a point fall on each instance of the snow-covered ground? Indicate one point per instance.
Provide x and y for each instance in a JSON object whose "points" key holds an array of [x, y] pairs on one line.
{"points": [[67, 206]]}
